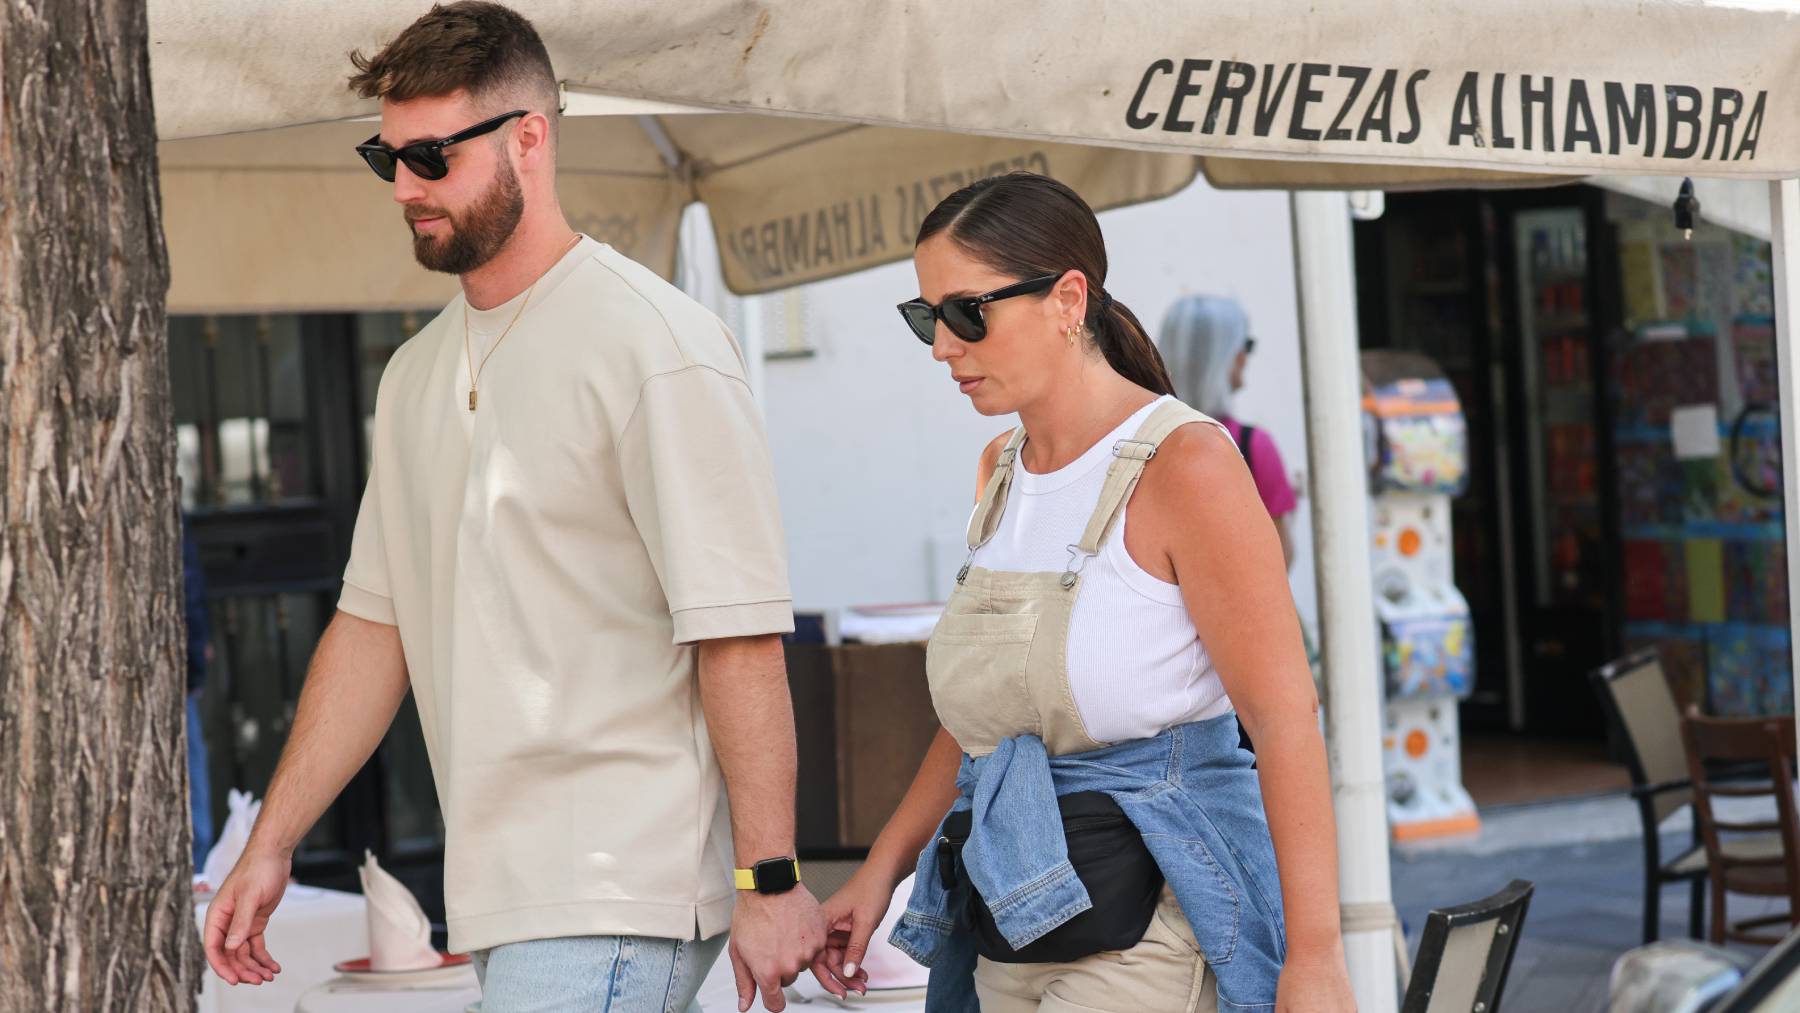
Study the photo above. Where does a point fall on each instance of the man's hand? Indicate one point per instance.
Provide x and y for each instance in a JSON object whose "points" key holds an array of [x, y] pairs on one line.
{"points": [[353, 687], [773, 938], [238, 914]]}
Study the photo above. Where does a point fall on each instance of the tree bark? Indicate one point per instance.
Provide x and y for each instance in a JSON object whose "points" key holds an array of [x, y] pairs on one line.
{"points": [[95, 906]]}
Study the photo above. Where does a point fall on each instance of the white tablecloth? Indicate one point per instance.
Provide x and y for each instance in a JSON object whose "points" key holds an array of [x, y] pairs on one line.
{"points": [[718, 994], [311, 930], [314, 929], [885, 963], [453, 993]]}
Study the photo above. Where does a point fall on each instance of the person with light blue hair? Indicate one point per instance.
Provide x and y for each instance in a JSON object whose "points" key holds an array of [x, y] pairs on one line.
{"points": [[1206, 343]]}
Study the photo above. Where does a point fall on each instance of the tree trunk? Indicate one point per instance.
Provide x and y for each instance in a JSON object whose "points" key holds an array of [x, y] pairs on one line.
{"points": [[95, 906]]}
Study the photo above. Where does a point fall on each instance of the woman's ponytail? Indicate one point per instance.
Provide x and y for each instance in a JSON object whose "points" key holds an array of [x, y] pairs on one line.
{"points": [[1128, 349]]}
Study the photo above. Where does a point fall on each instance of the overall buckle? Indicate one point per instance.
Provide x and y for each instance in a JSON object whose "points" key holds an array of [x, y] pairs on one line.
{"points": [[1135, 450]]}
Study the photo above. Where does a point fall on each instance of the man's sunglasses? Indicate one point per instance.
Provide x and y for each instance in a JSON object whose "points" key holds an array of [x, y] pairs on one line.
{"points": [[425, 159], [963, 314]]}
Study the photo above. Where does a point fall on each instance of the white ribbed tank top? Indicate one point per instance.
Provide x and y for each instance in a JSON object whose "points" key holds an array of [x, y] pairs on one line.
{"points": [[1136, 664]]}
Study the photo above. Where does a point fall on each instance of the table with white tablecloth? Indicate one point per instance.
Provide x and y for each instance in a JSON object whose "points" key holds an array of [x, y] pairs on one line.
{"points": [[455, 991], [718, 994], [885, 963], [313, 929]]}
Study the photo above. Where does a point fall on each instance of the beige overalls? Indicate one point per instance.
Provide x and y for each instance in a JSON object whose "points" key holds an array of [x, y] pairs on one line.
{"points": [[997, 668]]}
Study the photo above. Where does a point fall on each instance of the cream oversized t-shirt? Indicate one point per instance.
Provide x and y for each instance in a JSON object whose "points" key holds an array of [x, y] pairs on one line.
{"points": [[550, 559]]}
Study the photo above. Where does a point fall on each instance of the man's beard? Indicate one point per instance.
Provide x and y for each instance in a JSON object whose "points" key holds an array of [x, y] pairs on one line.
{"points": [[477, 234]]}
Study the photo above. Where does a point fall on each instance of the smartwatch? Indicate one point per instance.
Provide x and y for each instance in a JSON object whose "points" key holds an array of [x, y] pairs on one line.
{"points": [[777, 875]]}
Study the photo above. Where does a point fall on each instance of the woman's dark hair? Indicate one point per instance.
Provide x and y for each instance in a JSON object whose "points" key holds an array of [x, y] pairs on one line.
{"points": [[1025, 225]]}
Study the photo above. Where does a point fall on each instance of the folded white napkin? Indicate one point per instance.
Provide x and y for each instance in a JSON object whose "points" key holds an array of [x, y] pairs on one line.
{"points": [[399, 932], [232, 838]]}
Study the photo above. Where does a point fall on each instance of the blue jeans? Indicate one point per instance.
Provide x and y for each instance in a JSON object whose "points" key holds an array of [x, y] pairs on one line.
{"points": [[601, 974], [199, 789]]}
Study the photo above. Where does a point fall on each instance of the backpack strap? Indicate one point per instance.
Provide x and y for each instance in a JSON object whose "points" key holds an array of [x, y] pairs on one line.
{"points": [[1243, 442]]}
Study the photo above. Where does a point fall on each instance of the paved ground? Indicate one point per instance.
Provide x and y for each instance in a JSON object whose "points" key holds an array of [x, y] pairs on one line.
{"points": [[1585, 859]]}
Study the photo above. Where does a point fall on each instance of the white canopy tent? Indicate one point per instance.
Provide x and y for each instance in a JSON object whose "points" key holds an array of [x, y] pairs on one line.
{"points": [[1531, 85], [791, 200], [826, 110], [1285, 96]]}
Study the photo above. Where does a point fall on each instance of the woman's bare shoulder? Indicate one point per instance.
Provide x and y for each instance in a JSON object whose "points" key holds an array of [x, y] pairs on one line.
{"points": [[1197, 464]]}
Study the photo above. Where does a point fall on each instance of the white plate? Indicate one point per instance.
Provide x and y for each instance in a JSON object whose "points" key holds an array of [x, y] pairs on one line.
{"points": [[448, 973]]}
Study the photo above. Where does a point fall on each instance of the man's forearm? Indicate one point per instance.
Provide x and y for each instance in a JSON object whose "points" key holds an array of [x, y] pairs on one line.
{"points": [[353, 689], [750, 719]]}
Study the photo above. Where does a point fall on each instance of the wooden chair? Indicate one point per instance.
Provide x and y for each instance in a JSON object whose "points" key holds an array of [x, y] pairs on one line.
{"points": [[1745, 858], [1644, 725], [1465, 953]]}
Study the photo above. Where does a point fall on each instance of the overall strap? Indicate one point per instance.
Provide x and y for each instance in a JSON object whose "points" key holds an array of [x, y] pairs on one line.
{"points": [[986, 519], [1129, 458]]}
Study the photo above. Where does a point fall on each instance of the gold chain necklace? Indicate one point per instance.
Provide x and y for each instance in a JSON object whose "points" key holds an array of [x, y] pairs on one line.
{"points": [[469, 355]]}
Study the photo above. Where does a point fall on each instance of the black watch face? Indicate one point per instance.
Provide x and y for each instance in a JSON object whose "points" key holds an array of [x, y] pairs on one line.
{"points": [[776, 875]]}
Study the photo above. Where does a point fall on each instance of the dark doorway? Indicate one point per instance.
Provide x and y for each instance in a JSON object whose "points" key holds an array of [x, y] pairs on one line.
{"points": [[271, 414], [1501, 291]]}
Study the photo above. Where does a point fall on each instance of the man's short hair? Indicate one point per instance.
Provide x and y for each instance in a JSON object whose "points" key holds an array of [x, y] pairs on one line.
{"points": [[486, 49]]}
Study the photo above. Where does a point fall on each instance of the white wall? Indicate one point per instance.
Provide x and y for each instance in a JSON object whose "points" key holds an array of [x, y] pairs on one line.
{"points": [[875, 449]]}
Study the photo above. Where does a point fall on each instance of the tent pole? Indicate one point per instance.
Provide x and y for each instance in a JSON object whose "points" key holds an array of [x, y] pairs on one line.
{"points": [[673, 157], [1324, 270], [1784, 235]]}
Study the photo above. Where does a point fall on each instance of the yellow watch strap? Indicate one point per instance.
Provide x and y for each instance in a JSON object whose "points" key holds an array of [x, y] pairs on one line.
{"points": [[746, 878]]}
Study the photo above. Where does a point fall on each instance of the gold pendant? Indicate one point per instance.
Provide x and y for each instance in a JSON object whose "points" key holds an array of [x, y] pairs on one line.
{"points": [[471, 399]]}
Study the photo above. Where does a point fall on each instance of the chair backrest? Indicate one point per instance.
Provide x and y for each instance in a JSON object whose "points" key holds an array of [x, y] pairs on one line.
{"points": [[1769, 742], [1465, 953], [1646, 726]]}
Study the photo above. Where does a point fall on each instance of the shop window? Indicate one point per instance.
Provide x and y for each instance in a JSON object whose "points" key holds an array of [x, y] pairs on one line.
{"points": [[240, 397]]}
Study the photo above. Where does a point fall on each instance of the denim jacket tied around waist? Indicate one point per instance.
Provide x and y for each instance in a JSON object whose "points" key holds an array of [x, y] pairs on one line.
{"points": [[1191, 793]]}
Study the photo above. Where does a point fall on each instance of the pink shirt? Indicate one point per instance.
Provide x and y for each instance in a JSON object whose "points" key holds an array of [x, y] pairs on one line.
{"points": [[1266, 468]]}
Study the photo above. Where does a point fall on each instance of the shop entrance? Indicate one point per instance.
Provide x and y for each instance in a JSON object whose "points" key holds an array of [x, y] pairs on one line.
{"points": [[1618, 383]]}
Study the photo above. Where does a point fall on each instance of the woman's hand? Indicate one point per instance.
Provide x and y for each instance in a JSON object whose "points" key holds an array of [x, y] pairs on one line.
{"points": [[851, 917], [853, 913], [1315, 981]]}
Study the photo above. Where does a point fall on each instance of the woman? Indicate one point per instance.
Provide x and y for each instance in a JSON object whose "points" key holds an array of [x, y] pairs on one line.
{"points": [[1108, 652], [1205, 341]]}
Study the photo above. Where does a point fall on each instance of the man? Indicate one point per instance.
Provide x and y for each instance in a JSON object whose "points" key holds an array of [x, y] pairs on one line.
{"points": [[569, 544]]}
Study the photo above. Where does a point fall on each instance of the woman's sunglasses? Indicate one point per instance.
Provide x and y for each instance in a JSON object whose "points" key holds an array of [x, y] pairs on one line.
{"points": [[963, 314], [425, 159]]}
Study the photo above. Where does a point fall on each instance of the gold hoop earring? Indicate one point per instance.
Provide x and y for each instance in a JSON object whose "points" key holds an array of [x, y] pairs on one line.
{"points": [[1071, 334]]}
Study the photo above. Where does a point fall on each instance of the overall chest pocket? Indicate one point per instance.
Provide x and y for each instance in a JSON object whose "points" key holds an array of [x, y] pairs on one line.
{"points": [[976, 665]]}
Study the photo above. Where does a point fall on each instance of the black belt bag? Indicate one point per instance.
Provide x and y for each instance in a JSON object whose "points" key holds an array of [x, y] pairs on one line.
{"points": [[1109, 857]]}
